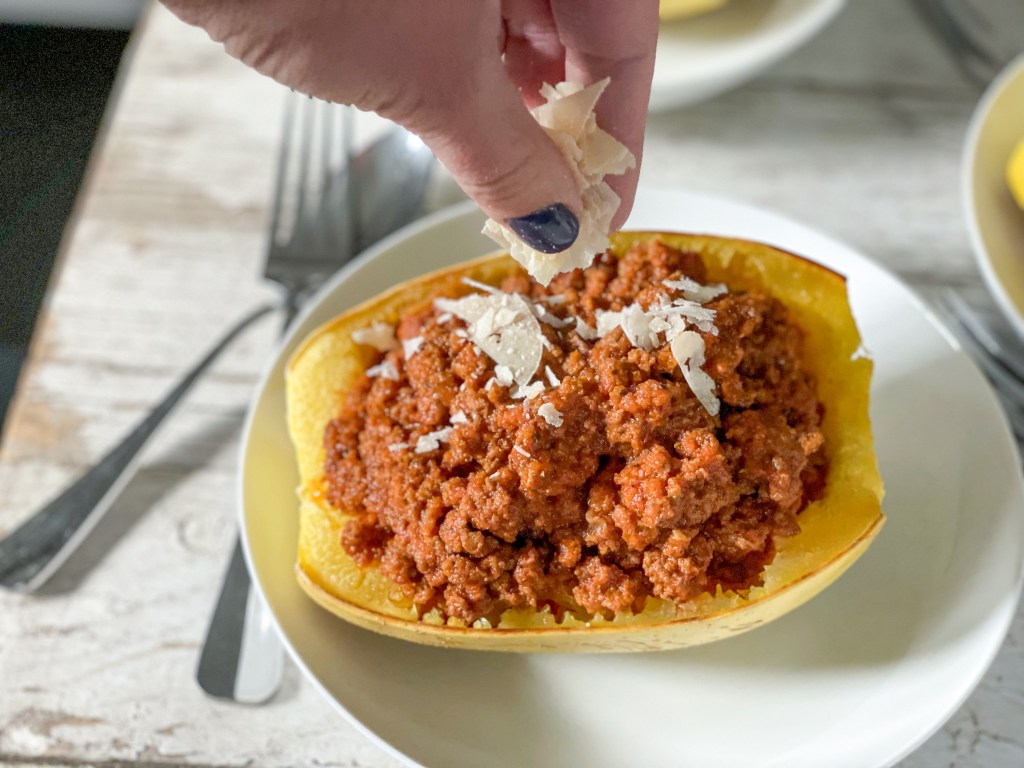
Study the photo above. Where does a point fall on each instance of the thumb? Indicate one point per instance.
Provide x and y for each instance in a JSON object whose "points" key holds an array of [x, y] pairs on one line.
{"points": [[506, 163]]}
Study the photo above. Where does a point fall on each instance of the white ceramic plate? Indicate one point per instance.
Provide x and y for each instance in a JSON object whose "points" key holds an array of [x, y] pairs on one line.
{"points": [[857, 677], [705, 55], [994, 221]]}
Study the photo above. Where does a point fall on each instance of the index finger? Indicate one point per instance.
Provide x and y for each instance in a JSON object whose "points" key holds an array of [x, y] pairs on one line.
{"points": [[616, 39]]}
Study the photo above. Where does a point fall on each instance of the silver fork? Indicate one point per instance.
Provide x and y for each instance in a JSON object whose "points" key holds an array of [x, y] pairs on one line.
{"points": [[312, 232], [380, 190]]}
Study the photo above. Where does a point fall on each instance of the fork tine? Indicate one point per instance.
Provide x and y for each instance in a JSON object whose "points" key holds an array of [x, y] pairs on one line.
{"points": [[308, 123], [278, 203], [335, 221], [327, 153], [348, 119]]}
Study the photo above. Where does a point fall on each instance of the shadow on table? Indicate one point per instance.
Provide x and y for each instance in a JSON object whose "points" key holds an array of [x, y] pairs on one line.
{"points": [[149, 485]]}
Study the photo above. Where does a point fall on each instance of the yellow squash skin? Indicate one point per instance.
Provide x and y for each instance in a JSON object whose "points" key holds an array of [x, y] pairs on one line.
{"points": [[835, 531]]}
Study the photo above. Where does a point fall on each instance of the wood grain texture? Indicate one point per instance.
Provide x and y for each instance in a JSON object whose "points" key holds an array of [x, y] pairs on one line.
{"points": [[859, 134]]}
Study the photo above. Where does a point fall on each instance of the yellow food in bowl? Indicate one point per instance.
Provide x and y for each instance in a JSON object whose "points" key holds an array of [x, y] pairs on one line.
{"points": [[834, 530], [670, 10]]}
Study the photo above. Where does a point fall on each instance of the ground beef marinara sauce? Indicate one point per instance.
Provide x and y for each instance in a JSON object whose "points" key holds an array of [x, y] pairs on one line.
{"points": [[638, 492]]}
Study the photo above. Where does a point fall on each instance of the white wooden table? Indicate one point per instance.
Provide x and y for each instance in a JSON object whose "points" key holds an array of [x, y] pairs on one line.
{"points": [[858, 134]]}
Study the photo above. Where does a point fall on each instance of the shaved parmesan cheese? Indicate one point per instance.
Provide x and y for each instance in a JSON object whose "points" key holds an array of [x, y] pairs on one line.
{"points": [[458, 417], [529, 392], [635, 323], [503, 375], [592, 154], [380, 336], [702, 317], [551, 376], [444, 317], [584, 330], [546, 317], [694, 291], [385, 370], [396, 447], [480, 286], [556, 298], [521, 450], [550, 414], [411, 346], [688, 350], [503, 326], [607, 322], [432, 440]]}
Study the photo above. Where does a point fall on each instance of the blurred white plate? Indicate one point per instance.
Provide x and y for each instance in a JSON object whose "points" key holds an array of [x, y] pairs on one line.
{"points": [[856, 678], [705, 55], [994, 221]]}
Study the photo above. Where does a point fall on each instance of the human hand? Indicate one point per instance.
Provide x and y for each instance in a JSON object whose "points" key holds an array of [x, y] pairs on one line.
{"points": [[461, 74]]}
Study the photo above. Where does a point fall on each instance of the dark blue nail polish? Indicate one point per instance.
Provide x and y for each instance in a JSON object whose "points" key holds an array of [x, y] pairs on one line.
{"points": [[548, 230]]}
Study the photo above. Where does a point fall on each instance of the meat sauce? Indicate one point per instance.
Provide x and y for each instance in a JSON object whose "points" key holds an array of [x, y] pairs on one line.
{"points": [[639, 492]]}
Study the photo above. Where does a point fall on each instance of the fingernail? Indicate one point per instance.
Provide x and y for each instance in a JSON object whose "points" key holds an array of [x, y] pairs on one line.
{"points": [[548, 230]]}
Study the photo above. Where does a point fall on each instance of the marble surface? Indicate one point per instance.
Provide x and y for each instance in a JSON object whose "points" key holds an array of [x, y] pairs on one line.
{"points": [[858, 133]]}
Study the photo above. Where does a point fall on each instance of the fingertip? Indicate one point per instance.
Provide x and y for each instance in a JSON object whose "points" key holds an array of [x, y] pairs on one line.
{"points": [[551, 229]]}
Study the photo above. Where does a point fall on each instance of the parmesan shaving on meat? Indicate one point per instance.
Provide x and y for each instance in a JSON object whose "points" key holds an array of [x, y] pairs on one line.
{"points": [[528, 392], [503, 375], [458, 417], [554, 380], [643, 329], [411, 346], [702, 317], [694, 291], [688, 350], [396, 447], [585, 331], [444, 317], [607, 321], [592, 154], [380, 336], [479, 286], [518, 449], [548, 318], [550, 414], [503, 326], [432, 440], [385, 370], [634, 322]]}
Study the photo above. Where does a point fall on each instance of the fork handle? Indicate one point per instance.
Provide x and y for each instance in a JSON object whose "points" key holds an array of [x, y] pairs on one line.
{"points": [[31, 554]]}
